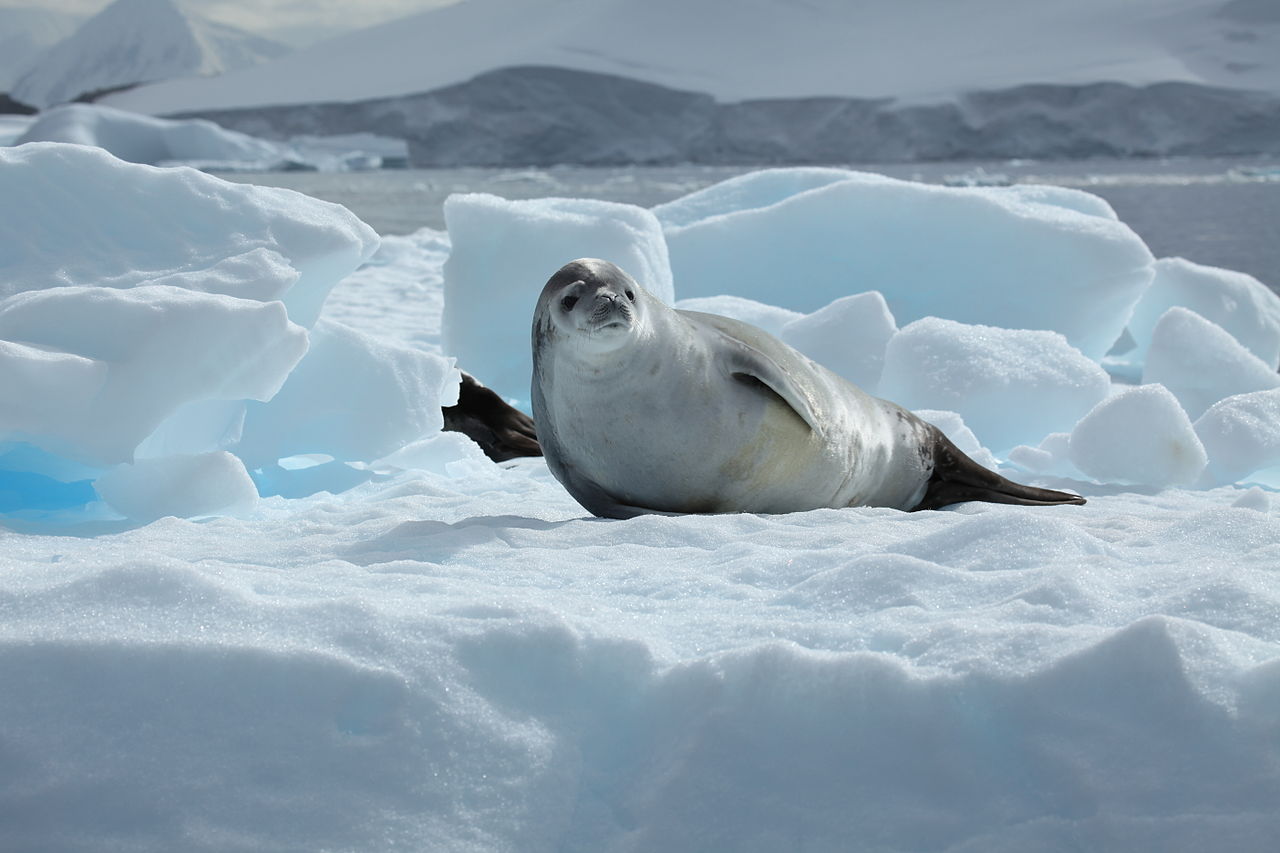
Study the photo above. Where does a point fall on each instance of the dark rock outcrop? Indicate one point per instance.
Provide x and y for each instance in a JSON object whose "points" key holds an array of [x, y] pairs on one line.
{"points": [[546, 116]]}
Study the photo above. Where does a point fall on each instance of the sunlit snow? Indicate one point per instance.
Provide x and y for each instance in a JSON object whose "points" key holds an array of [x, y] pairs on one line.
{"points": [[366, 636]]}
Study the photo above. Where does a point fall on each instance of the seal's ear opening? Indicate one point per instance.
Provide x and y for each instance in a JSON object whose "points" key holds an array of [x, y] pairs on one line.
{"points": [[570, 294]]}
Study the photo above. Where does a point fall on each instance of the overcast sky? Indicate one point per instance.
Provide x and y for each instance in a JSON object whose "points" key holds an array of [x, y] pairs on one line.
{"points": [[289, 20]]}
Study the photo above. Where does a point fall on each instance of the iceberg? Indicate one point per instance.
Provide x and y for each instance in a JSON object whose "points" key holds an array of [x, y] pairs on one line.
{"points": [[157, 141], [1016, 258], [148, 317], [427, 650]]}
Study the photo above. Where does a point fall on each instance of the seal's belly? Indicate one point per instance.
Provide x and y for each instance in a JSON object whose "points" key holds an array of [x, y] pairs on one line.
{"points": [[742, 452]]}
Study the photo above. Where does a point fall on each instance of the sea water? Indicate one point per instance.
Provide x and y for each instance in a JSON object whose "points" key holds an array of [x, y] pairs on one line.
{"points": [[1217, 211]]}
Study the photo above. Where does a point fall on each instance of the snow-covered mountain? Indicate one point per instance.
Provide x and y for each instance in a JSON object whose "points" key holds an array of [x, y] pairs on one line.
{"points": [[26, 32], [751, 49], [138, 41]]}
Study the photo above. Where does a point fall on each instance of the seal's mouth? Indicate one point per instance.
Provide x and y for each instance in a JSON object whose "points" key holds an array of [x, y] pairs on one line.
{"points": [[609, 314]]}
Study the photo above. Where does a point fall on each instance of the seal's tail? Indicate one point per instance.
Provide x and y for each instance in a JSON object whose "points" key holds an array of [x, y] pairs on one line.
{"points": [[957, 478]]}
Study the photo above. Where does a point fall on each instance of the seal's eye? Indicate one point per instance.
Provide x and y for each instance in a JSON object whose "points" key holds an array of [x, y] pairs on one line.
{"points": [[568, 302], [631, 295]]}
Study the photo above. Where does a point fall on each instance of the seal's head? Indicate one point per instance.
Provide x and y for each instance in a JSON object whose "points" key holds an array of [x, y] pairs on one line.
{"points": [[592, 303]]}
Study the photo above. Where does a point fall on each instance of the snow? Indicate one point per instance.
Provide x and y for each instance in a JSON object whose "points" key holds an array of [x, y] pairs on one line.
{"points": [[252, 243], [137, 41], [823, 48], [1240, 436], [153, 141], [141, 314], [1011, 386], [1140, 435], [1237, 302], [771, 318], [200, 143], [849, 336], [179, 485], [1201, 363], [425, 650], [354, 399], [927, 249], [96, 370]]}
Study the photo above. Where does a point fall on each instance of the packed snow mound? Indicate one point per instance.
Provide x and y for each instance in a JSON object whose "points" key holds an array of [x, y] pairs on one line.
{"points": [[93, 371], [214, 483], [1201, 363], [354, 399], [1017, 258], [749, 191], [771, 318], [129, 225], [848, 336], [1240, 435], [138, 41], [1139, 436], [147, 319], [1235, 301], [1011, 386], [817, 48], [504, 251], [154, 141]]}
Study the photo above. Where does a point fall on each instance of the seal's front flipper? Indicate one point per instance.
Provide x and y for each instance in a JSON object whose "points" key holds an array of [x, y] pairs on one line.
{"points": [[745, 356], [481, 415], [957, 478]]}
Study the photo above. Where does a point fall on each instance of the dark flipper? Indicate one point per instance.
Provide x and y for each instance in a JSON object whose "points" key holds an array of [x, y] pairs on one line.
{"points": [[957, 478], [481, 415]]}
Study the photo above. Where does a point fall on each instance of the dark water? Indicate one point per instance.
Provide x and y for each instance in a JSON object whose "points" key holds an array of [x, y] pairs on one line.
{"points": [[1220, 212]]}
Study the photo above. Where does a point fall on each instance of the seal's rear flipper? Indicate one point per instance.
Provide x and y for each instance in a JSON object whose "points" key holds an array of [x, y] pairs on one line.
{"points": [[957, 478]]}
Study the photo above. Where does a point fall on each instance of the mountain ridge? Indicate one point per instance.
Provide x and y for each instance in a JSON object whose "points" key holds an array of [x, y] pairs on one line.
{"points": [[537, 116], [138, 41], [923, 52]]}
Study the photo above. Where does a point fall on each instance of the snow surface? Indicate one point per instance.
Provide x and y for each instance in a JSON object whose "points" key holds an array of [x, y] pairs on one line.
{"points": [[137, 41], [202, 144], [442, 653], [881, 48]]}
